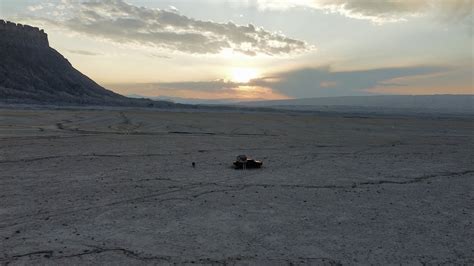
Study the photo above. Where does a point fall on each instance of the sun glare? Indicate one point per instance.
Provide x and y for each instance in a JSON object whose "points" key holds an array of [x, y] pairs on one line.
{"points": [[244, 75]]}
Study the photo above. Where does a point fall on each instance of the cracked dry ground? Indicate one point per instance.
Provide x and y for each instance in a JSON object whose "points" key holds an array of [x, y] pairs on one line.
{"points": [[117, 187]]}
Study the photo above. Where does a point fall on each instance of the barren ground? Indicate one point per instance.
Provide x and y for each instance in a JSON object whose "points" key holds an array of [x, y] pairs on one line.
{"points": [[117, 187]]}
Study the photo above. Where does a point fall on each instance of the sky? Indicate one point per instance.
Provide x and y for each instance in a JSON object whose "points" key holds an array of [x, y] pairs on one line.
{"points": [[261, 49]]}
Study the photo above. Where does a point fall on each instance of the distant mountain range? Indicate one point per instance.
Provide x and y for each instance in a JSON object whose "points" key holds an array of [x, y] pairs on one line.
{"points": [[418, 103], [375, 103], [31, 72], [181, 100]]}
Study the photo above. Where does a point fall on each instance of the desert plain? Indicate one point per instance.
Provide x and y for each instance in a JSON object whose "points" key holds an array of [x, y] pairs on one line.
{"points": [[117, 187]]}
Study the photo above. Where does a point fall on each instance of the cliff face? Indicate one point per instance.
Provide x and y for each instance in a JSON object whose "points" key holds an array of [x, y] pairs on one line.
{"points": [[33, 72], [12, 34]]}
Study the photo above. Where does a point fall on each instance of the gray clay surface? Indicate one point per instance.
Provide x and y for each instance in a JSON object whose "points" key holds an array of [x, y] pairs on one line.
{"points": [[118, 188]]}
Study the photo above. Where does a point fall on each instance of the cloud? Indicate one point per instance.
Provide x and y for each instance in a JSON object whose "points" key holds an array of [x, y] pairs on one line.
{"points": [[377, 11], [454, 80], [160, 56], [212, 86], [83, 52], [381, 11], [120, 22], [215, 85], [298, 83], [322, 82], [219, 89], [34, 8]]}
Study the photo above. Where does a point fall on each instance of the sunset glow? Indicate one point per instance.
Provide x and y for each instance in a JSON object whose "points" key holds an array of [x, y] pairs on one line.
{"points": [[244, 75], [211, 49]]}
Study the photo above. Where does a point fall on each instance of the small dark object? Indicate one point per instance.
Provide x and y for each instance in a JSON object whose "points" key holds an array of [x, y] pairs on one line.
{"points": [[194, 164], [243, 162]]}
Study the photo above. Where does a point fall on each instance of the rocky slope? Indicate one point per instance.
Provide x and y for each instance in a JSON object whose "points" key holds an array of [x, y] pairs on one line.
{"points": [[33, 72]]}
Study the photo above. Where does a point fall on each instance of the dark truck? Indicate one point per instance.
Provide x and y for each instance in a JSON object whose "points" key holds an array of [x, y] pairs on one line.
{"points": [[243, 162]]}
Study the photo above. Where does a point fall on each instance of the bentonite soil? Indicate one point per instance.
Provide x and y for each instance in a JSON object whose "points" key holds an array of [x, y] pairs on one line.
{"points": [[118, 187]]}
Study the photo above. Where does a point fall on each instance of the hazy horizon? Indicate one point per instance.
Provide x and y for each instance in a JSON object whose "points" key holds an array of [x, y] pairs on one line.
{"points": [[266, 50]]}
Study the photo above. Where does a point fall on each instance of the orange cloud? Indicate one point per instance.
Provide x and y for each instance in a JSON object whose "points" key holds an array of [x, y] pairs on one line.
{"points": [[241, 93]]}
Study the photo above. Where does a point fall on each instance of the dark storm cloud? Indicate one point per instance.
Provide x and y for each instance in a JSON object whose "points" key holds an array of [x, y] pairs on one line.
{"points": [[120, 22], [322, 82]]}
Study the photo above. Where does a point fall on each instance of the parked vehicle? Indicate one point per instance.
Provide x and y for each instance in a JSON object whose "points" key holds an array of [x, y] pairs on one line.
{"points": [[243, 162]]}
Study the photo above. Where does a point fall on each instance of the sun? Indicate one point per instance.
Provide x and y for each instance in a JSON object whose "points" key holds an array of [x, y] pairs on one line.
{"points": [[243, 75]]}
